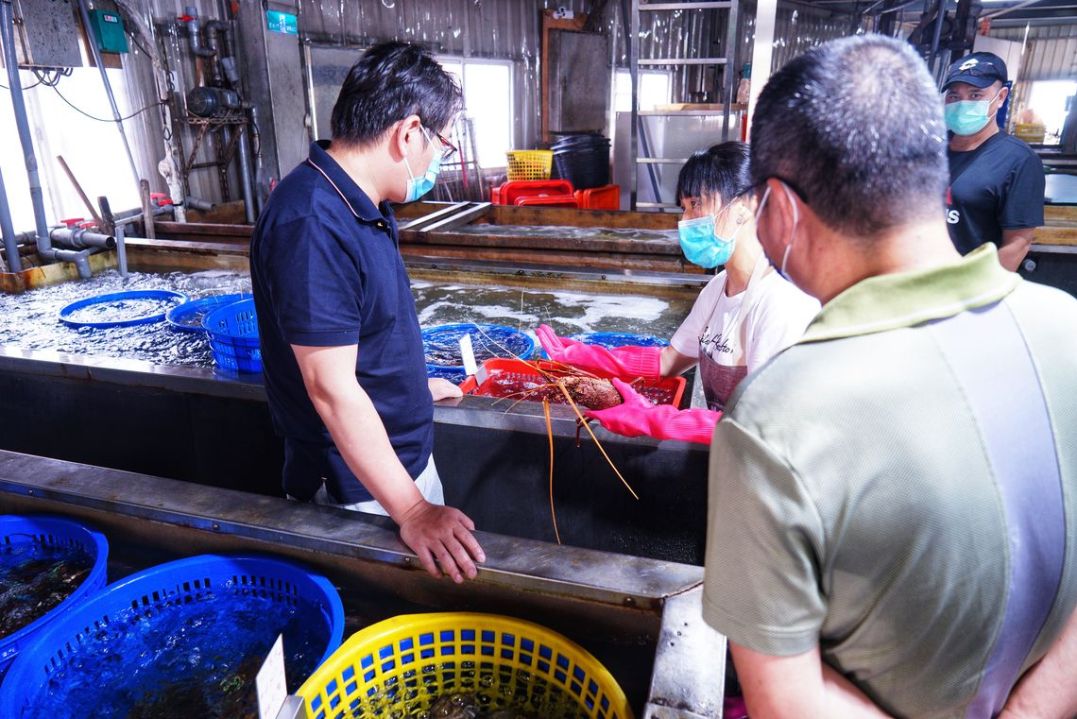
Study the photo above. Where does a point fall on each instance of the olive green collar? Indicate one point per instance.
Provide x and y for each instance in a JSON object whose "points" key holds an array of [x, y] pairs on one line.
{"points": [[905, 299]]}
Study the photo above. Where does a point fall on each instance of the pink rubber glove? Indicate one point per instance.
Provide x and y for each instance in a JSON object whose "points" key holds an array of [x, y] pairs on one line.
{"points": [[629, 362], [637, 416]]}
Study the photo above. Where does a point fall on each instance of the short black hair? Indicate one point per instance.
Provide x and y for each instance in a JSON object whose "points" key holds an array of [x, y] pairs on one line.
{"points": [[855, 127], [721, 170], [391, 81]]}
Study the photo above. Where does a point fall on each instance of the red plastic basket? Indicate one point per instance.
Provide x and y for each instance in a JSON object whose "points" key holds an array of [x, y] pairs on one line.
{"points": [[511, 378]]}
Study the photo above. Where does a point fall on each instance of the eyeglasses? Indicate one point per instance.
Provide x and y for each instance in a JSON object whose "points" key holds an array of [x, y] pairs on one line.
{"points": [[447, 148]]}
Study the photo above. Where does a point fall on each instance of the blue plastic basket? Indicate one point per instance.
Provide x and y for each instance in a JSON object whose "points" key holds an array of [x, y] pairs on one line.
{"points": [[119, 298], [155, 596], [50, 531], [456, 375], [488, 341], [233, 337], [610, 340], [188, 316]]}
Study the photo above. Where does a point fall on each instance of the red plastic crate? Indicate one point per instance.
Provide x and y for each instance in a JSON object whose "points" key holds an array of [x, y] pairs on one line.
{"points": [[547, 201], [520, 374], [607, 197], [507, 193]]}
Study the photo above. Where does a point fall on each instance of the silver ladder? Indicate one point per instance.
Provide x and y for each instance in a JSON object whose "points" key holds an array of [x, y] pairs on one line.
{"points": [[638, 136]]}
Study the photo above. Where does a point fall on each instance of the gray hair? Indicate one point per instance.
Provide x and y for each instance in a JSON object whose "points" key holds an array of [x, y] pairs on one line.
{"points": [[855, 127]]}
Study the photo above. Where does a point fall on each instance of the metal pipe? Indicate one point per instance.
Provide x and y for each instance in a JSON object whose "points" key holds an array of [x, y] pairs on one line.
{"points": [[220, 43], [936, 36], [81, 260], [109, 224], [196, 203], [81, 239], [213, 56], [96, 52], [121, 250], [14, 263], [26, 238], [630, 18], [220, 37], [193, 33], [652, 170], [18, 104], [245, 185], [256, 141]]}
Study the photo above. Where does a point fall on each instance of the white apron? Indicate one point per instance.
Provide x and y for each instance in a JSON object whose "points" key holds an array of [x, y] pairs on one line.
{"points": [[719, 380]]}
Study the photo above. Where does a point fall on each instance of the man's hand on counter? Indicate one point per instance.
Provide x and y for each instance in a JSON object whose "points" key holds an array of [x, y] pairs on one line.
{"points": [[441, 536], [443, 389]]}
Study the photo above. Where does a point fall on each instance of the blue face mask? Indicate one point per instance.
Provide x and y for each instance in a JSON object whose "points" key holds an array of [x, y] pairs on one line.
{"points": [[702, 245], [967, 117], [419, 186]]}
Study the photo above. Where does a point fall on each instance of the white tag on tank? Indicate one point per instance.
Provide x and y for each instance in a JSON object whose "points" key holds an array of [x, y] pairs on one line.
{"points": [[270, 682], [467, 352], [471, 367]]}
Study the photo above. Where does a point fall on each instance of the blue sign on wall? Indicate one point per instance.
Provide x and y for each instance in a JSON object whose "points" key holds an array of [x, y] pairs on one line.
{"points": [[283, 22]]}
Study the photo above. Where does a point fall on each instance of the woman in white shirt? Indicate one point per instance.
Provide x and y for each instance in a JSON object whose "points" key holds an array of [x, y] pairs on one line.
{"points": [[743, 317]]}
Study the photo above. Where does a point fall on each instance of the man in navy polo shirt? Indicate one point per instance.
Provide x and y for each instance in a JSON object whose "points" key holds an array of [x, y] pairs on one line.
{"points": [[343, 358]]}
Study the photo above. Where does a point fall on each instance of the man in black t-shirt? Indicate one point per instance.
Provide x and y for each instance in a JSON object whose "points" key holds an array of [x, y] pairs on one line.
{"points": [[996, 181]]}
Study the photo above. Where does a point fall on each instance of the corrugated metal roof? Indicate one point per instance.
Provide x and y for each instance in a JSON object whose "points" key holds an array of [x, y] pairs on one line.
{"points": [[1051, 53]]}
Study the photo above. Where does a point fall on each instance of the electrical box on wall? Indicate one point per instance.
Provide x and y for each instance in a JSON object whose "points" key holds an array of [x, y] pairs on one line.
{"points": [[109, 31], [47, 33]]}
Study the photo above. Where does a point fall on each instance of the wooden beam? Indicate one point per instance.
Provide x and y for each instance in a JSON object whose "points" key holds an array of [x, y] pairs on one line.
{"points": [[568, 217], [615, 262], [1055, 236]]}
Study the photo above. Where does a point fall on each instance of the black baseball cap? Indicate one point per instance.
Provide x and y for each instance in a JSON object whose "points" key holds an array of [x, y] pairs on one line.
{"points": [[979, 69]]}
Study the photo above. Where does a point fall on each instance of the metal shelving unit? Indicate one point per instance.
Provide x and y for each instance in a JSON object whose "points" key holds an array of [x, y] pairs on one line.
{"points": [[638, 134]]}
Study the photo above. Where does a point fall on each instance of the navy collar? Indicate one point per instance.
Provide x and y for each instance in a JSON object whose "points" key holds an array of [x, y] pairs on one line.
{"points": [[353, 196]]}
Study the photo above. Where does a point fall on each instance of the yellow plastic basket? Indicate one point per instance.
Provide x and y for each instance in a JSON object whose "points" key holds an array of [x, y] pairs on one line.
{"points": [[399, 667], [529, 164]]}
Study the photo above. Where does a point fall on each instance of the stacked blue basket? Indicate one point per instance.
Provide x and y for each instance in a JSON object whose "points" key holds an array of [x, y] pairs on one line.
{"points": [[188, 317], [52, 532], [233, 337], [157, 603]]}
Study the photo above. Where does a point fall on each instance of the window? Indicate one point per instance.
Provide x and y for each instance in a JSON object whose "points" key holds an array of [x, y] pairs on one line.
{"points": [[489, 99], [92, 149], [1049, 102], [654, 90]]}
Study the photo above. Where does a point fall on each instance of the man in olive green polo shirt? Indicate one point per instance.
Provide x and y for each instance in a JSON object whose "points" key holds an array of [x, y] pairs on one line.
{"points": [[893, 500]]}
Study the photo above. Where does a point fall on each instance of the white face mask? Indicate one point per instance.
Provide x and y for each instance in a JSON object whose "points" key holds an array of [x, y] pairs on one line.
{"points": [[792, 233]]}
